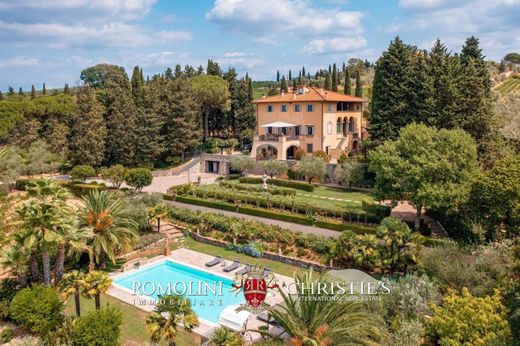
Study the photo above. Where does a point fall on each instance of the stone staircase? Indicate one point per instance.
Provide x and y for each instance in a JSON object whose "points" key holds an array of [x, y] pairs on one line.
{"points": [[173, 232], [185, 166]]}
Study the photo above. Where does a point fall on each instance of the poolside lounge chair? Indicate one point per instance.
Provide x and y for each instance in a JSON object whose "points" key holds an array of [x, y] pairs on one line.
{"points": [[232, 266], [245, 270], [213, 262]]}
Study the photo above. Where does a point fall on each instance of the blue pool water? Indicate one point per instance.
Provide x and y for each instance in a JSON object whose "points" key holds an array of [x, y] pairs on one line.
{"points": [[209, 293]]}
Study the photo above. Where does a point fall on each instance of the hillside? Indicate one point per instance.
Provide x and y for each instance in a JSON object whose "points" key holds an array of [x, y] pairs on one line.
{"points": [[510, 85]]}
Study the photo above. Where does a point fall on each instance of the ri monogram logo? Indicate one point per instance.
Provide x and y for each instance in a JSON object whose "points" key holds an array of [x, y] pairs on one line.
{"points": [[255, 285]]}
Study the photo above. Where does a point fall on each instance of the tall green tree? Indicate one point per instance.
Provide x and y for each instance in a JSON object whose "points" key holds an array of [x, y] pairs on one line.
{"points": [[334, 80], [346, 87], [101, 75], [429, 168], [66, 89], [33, 92], [213, 68], [88, 131], [328, 82], [120, 122], [137, 85], [359, 85], [44, 91], [390, 91], [283, 85]]}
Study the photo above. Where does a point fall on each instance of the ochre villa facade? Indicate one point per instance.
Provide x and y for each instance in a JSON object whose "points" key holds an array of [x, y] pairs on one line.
{"points": [[309, 118]]}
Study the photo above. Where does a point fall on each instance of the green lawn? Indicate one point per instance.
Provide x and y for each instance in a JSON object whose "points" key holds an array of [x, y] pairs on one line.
{"points": [[133, 329], [277, 267]]}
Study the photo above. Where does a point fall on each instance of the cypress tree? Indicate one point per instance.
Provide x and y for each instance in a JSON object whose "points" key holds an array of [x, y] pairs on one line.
{"points": [[334, 81], [303, 71], [278, 76], [330, 69], [390, 91], [1, 95], [290, 75], [141, 75], [33, 92], [250, 89], [343, 68], [120, 119], [167, 74], [472, 52], [346, 87], [359, 87], [66, 89], [421, 100], [44, 91], [283, 85], [328, 84], [294, 85], [20, 91], [88, 132], [10, 91], [137, 85]]}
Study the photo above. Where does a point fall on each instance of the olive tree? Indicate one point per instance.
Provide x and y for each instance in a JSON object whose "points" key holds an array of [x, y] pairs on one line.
{"points": [[311, 168], [242, 163], [274, 167]]}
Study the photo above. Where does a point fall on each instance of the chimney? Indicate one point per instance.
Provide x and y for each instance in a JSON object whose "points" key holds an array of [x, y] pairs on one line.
{"points": [[283, 94]]}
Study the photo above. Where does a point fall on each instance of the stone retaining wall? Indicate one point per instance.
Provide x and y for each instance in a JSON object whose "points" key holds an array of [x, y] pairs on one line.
{"points": [[298, 262]]}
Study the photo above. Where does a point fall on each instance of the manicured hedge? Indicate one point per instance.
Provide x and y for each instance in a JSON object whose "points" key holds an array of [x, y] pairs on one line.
{"points": [[205, 203], [302, 220], [293, 184], [284, 191], [82, 189], [337, 226]]}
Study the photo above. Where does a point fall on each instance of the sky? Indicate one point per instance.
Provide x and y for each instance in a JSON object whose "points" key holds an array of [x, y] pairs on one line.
{"points": [[51, 41]]}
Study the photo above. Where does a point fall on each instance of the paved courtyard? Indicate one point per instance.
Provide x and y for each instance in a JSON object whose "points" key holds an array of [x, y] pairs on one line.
{"points": [[162, 184]]}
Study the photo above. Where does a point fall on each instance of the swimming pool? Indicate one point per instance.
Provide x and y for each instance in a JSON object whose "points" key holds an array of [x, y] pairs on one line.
{"points": [[209, 293]]}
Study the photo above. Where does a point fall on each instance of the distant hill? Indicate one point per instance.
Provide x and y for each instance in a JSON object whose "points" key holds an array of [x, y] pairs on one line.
{"points": [[510, 85]]}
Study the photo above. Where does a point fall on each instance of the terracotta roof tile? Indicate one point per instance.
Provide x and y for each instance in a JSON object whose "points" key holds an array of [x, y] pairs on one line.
{"points": [[313, 95]]}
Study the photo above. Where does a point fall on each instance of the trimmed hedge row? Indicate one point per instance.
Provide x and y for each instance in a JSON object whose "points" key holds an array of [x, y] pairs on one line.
{"points": [[301, 220], [284, 191], [293, 184]]}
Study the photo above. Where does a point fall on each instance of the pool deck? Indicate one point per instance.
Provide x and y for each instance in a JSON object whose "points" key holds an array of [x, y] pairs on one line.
{"points": [[197, 260]]}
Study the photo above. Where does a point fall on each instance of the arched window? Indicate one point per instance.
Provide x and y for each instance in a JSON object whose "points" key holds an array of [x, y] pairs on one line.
{"points": [[351, 124], [345, 126], [338, 125]]}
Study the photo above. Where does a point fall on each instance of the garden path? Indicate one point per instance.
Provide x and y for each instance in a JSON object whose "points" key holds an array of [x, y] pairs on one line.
{"points": [[288, 225]]}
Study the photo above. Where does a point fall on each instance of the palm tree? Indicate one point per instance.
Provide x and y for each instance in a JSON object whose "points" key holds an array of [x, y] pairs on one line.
{"points": [[112, 231], [15, 258], [72, 238], [95, 283], [310, 320], [42, 216], [359, 250], [71, 284], [169, 315], [226, 337], [401, 245]]}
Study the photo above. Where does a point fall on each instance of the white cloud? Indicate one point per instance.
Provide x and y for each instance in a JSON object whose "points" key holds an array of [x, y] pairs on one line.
{"points": [[113, 34], [19, 61], [234, 54], [240, 59], [335, 45], [282, 17]]}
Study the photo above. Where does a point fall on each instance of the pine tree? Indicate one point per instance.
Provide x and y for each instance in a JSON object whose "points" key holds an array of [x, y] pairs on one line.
{"points": [[137, 86], [120, 120], [66, 89], [334, 81], [278, 76], [283, 85], [88, 132], [328, 83], [359, 86], [472, 52], [167, 74], [178, 71], [213, 68], [390, 91], [44, 91], [346, 87], [421, 100]]}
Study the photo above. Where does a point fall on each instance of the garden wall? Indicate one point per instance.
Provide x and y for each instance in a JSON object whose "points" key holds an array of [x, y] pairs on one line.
{"points": [[266, 254]]}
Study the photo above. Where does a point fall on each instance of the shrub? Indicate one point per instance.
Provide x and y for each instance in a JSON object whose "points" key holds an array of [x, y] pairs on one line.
{"points": [[407, 333], [241, 163], [311, 168], [226, 337], [82, 172], [82, 189], [253, 249], [98, 328], [467, 320], [138, 178], [6, 335], [114, 174], [298, 185], [38, 309], [299, 154], [274, 167], [322, 155], [411, 296]]}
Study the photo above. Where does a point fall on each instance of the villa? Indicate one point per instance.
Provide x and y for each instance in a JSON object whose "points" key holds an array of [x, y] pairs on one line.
{"points": [[309, 118]]}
